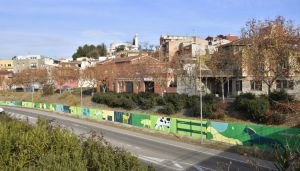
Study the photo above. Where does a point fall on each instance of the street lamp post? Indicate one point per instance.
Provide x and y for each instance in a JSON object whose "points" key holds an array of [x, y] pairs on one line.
{"points": [[200, 100], [81, 95], [32, 90]]}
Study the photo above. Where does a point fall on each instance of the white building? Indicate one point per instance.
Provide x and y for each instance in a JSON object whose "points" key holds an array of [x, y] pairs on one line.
{"points": [[134, 46]]}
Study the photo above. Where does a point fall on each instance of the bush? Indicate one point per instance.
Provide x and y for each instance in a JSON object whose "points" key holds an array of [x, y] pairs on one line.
{"points": [[241, 101], [168, 109], [127, 103], [160, 101], [280, 95], [207, 110], [257, 109], [176, 99], [147, 103], [44, 147]]}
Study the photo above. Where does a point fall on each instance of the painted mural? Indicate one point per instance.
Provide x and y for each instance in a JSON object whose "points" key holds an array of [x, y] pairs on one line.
{"points": [[141, 120], [266, 137], [190, 127], [160, 123]]}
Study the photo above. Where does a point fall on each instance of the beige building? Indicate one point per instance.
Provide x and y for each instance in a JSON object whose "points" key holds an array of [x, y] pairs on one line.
{"points": [[237, 79], [170, 46], [21, 63], [6, 65]]}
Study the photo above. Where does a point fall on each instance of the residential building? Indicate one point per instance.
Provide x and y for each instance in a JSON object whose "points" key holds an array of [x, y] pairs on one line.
{"points": [[136, 74], [123, 48], [21, 63], [236, 77], [172, 46], [6, 65]]}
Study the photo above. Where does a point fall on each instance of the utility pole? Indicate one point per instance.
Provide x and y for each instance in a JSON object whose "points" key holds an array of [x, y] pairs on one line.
{"points": [[81, 95]]}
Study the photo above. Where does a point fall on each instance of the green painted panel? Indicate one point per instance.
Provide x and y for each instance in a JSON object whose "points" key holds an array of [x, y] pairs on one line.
{"points": [[52, 107], [191, 128], [37, 105], [141, 120], [27, 104], [2, 102], [95, 114]]}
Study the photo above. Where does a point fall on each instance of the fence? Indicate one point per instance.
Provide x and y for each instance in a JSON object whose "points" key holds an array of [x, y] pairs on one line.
{"points": [[265, 137]]}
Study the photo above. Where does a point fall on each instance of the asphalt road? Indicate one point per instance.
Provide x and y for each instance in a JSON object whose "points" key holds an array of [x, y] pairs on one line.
{"points": [[164, 154]]}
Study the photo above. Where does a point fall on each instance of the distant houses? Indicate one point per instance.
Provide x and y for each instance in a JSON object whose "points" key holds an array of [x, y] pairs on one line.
{"points": [[173, 68]]}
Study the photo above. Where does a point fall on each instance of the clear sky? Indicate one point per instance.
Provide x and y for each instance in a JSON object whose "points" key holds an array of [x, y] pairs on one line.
{"points": [[56, 28]]}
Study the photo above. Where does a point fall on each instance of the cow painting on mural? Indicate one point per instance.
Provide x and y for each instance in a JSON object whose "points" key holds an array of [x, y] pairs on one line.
{"points": [[162, 123]]}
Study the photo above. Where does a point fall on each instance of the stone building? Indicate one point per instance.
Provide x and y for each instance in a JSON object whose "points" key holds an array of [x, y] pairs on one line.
{"points": [[21, 63], [172, 46]]}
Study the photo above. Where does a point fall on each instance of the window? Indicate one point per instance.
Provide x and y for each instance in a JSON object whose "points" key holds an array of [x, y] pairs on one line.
{"points": [[298, 60], [287, 84], [33, 65], [9, 65], [239, 85], [261, 67], [256, 85], [284, 65]]}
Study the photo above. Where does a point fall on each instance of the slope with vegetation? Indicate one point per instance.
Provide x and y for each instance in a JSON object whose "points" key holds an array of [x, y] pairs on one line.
{"points": [[45, 147]]}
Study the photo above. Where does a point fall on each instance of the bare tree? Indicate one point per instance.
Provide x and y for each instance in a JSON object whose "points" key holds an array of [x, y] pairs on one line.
{"points": [[271, 49], [63, 74]]}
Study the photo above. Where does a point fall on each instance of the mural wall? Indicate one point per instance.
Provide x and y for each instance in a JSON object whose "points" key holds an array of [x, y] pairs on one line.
{"points": [[265, 137]]}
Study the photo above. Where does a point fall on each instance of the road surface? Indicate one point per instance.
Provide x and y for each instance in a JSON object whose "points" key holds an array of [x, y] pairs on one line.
{"points": [[162, 153]]}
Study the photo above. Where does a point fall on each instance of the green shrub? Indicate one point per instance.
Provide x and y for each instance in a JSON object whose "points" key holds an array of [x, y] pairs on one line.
{"points": [[44, 147], [147, 103], [168, 109], [210, 98], [176, 99], [160, 101], [280, 95], [241, 101], [127, 103], [257, 109], [207, 110]]}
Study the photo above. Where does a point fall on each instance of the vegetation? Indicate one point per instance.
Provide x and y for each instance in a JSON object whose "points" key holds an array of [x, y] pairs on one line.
{"points": [[45, 147], [170, 103], [287, 159], [271, 40], [272, 109], [91, 51]]}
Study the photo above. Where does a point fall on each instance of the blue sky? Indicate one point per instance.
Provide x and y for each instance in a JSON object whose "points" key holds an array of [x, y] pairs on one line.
{"points": [[56, 28]]}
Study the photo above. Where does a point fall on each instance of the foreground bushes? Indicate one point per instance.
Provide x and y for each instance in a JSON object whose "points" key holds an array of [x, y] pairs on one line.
{"points": [[43, 147]]}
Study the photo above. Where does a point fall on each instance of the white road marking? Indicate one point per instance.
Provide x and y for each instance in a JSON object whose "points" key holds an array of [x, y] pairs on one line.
{"points": [[177, 165], [157, 160]]}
